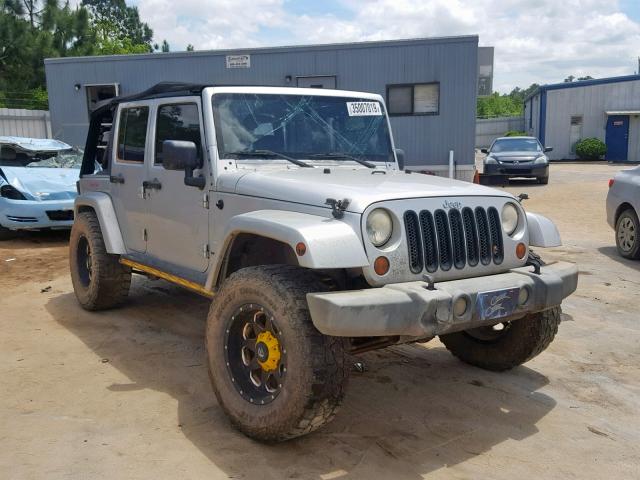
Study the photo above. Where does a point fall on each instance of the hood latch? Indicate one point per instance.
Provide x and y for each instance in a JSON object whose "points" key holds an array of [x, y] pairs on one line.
{"points": [[337, 206]]}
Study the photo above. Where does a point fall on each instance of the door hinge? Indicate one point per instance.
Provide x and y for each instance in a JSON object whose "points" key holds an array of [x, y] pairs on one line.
{"points": [[205, 201], [205, 251]]}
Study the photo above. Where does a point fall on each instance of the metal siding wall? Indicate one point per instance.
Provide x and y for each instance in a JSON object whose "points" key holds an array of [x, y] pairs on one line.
{"points": [[535, 124], [425, 139], [488, 129], [634, 138], [591, 102], [25, 123]]}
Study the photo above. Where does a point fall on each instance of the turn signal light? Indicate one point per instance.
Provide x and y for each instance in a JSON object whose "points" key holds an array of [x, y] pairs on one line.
{"points": [[611, 182], [301, 249], [521, 250], [381, 266]]}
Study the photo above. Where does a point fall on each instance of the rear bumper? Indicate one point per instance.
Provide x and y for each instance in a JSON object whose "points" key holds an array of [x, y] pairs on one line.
{"points": [[29, 215], [411, 309], [521, 170]]}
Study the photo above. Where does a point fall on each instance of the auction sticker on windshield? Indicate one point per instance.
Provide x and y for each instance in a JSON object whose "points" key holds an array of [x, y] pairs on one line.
{"points": [[363, 109]]}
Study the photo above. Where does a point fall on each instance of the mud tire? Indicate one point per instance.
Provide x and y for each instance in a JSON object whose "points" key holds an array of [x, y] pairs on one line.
{"points": [[316, 373], [108, 283], [522, 341]]}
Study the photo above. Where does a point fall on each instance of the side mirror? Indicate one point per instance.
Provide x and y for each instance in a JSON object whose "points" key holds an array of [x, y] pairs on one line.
{"points": [[182, 155], [400, 158], [484, 150], [548, 149], [179, 155]]}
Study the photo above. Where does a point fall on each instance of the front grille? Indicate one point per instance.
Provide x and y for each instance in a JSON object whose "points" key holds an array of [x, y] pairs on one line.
{"points": [[60, 215], [14, 218], [454, 239]]}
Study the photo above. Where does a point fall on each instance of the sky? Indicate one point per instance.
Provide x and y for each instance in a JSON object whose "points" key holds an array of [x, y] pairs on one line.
{"points": [[536, 41]]}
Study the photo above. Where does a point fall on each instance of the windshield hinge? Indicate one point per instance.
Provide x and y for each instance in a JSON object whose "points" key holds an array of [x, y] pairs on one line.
{"points": [[205, 201], [206, 253]]}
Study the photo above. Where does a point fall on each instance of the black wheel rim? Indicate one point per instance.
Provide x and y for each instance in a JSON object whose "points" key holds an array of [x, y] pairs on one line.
{"points": [[489, 334], [84, 261], [255, 354]]}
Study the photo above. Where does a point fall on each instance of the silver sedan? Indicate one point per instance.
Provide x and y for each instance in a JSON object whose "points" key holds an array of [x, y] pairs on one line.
{"points": [[623, 206]]}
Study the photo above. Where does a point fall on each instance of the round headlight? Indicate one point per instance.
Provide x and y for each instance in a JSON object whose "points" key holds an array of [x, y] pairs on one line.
{"points": [[379, 226], [510, 217]]}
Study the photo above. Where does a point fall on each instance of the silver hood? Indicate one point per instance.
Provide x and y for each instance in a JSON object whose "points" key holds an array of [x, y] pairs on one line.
{"points": [[362, 187]]}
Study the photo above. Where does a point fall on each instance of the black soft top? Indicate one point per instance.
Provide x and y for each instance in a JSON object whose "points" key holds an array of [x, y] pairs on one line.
{"points": [[159, 90], [102, 118]]}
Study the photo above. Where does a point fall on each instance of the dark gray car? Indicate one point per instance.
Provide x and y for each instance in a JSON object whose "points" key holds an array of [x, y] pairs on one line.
{"points": [[517, 157], [623, 205]]}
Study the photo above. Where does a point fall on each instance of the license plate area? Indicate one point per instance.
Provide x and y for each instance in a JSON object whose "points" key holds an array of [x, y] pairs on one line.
{"points": [[497, 303]]}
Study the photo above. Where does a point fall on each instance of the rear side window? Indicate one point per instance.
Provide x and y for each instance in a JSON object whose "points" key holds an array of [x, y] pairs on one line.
{"points": [[178, 122], [132, 134]]}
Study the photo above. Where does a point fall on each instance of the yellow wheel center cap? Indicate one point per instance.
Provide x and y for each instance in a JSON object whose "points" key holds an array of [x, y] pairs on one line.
{"points": [[267, 351]]}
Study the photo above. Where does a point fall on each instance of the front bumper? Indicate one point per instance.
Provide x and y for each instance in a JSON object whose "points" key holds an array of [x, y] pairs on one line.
{"points": [[411, 309], [519, 170], [30, 214]]}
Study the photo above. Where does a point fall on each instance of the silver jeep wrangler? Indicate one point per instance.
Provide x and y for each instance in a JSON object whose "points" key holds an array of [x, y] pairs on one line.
{"points": [[291, 209]]}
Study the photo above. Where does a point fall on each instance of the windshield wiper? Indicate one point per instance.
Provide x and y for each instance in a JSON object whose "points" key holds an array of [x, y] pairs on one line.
{"points": [[270, 153], [343, 155]]}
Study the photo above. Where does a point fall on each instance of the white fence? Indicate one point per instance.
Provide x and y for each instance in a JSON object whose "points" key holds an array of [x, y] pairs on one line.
{"points": [[488, 129], [25, 123]]}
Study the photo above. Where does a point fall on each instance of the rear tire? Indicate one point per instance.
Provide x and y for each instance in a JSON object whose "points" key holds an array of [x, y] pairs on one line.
{"points": [[304, 386], [7, 234], [628, 234], [519, 341], [99, 280]]}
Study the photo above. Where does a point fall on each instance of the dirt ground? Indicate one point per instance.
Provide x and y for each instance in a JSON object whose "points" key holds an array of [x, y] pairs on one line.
{"points": [[125, 393]]}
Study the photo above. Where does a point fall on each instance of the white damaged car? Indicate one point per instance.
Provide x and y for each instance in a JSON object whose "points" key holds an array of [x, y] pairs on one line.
{"points": [[37, 184]]}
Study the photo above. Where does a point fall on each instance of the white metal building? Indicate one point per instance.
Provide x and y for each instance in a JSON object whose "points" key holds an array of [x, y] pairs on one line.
{"points": [[608, 108], [431, 85]]}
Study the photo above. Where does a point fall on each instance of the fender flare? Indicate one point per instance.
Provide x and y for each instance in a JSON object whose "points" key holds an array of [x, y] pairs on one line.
{"points": [[101, 204], [330, 243], [542, 231]]}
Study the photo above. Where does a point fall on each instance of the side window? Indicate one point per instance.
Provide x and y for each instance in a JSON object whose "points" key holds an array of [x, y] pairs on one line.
{"points": [[178, 122], [132, 134]]}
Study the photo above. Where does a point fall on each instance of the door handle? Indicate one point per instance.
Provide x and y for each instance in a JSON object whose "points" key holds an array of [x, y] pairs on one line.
{"points": [[116, 179], [152, 184]]}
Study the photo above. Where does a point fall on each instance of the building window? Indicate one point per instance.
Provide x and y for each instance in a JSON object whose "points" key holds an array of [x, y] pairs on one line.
{"points": [[416, 99], [178, 122], [132, 134], [98, 93]]}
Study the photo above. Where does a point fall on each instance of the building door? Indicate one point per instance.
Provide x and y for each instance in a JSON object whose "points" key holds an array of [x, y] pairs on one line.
{"points": [[320, 81], [575, 133], [617, 138]]}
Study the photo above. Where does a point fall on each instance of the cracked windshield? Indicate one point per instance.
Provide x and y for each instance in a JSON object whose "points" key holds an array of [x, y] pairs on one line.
{"points": [[301, 128]]}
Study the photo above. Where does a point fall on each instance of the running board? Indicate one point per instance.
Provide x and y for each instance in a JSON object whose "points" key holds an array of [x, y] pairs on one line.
{"points": [[188, 284]]}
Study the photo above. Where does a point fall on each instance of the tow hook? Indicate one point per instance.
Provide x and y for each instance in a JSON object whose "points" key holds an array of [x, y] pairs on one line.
{"points": [[535, 263], [430, 282]]}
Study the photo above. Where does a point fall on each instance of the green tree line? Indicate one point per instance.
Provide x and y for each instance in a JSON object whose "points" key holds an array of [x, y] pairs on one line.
{"points": [[506, 105], [32, 30], [512, 104]]}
